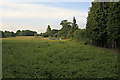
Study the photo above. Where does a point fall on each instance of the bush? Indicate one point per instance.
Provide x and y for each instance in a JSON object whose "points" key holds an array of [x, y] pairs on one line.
{"points": [[79, 34], [36, 35]]}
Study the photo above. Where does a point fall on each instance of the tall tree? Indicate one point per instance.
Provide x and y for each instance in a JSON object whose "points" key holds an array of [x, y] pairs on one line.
{"points": [[102, 24], [65, 28], [74, 27], [48, 28], [113, 25]]}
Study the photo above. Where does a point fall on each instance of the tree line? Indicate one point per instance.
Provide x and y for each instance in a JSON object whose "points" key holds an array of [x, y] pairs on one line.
{"points": [[5, 34], [67, 30], [103, 24], [102, 28]]}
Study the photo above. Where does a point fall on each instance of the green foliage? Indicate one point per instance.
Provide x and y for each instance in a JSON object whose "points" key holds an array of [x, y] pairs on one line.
{"points": [[48, 29], [79, 34], [45, 35], [67, 30], [54, 31], [59, 33], [9, 34], [36, 35], [37, 58], [50, 33], [74, 27], [2, 34], [40, 34], [25, 33], [103, 24], [113, 25], [66, 26], [18, 33]]}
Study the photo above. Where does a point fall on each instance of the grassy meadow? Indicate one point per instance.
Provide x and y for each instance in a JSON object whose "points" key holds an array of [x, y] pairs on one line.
{"points": [[36, 57]]}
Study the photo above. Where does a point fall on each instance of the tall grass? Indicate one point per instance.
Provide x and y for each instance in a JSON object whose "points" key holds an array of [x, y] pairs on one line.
{"points": [[38, 58]]}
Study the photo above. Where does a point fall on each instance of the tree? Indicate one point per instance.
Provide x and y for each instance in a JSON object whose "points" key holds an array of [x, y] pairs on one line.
{"points": [[65, 29], [74, 27], [2, 35], [54, 31], [45, 35], [36, 35], [49, 32], [41, 34], [96, 23], [79, 34], [9, 34], [19, 33], [48, 29], [25, 33], [103, 24], [113, 25]]}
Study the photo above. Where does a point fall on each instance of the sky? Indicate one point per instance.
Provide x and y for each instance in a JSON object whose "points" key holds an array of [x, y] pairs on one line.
{"points": [[36, 16]]}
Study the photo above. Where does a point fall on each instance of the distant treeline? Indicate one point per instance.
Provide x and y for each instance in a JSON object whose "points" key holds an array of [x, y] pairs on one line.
{"points": [[69, 30], [6, 34], [102, 28]]}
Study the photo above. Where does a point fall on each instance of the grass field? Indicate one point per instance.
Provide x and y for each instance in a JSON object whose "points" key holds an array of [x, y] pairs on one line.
{"points": [[30, 57]]}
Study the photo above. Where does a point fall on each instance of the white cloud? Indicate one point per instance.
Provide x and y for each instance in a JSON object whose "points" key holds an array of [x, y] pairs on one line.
{"points": [[19, 10], [31, 11]]}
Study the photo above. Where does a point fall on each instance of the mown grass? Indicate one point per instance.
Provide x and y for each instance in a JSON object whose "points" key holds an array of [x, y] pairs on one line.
{"points": [[29, 57]]}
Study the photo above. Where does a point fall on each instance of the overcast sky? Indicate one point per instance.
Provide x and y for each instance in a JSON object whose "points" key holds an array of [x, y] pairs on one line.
{"points": [[37, 15]]}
